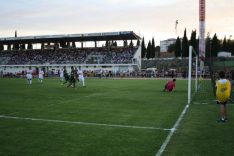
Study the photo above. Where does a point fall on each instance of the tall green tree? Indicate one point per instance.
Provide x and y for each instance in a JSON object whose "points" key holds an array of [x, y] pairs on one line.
{"points": [[143, 48], [185, 45], [208, 46], [171, 48], [232, 47], [178, 47], [152, 54], [215, 46], [224, 45], [157, 49], [193, 41], [229, 45], [148, 50]]}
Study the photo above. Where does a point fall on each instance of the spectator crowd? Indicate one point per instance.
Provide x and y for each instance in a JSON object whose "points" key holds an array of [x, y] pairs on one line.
{"points": [[68, 56]]}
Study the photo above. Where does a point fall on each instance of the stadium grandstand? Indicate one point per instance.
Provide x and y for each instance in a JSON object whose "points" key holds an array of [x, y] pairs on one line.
{"points": [[111, 51]]}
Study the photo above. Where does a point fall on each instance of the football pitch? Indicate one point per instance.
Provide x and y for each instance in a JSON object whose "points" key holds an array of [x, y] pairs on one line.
{"points": [[108, 118]]}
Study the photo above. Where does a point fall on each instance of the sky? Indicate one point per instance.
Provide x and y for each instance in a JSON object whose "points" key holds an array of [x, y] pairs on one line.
{"points": [[148, 18]]}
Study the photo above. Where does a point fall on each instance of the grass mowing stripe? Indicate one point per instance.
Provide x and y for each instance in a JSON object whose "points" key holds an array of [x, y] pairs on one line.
{"points": [[85, 123], [163, 146]]}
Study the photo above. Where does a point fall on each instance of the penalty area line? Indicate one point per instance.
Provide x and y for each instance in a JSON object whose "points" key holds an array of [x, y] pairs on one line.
{"points": [[200, 103], [177, 123], [84, 123]]}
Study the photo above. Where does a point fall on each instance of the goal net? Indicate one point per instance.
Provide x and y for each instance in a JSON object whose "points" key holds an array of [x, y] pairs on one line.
{"points": [[200, 83], [225, 64]]}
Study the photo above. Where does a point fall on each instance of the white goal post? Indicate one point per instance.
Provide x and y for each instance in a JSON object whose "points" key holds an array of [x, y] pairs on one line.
{"points": [[190, 71]]}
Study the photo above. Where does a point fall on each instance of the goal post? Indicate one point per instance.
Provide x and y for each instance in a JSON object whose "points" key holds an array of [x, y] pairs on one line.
{"points": [[192, 68]]}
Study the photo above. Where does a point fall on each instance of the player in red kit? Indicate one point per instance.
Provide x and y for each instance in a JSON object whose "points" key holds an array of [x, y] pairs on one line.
{"points": [[170, 85]]}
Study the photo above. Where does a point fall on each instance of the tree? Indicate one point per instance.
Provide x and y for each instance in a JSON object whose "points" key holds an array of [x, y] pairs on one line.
{"points": [[208, 46], [152, 53], [229, 45], [178, 47], [215, 46], [197, 49], [148, 50], [143, 48], [157, 49], [232, 47], [171, 48], [193, 41], [185, 46], [224, 45]]}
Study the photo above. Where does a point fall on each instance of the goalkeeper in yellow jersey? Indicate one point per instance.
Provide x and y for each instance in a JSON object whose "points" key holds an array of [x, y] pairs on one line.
{"points": [[223, 90]]}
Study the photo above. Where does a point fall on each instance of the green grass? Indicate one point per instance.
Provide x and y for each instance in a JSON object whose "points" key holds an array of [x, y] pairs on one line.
{"points": [[119, 102], [200, 132], [112, 102]]}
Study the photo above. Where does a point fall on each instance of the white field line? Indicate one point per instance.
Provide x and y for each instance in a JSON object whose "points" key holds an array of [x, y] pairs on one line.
{"points": [[165, 143], [207, 103], [84, 123], [200, 103]]}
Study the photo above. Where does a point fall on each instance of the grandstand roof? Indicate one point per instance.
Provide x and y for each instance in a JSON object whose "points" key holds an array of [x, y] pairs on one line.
{"points": [[122, 35]]}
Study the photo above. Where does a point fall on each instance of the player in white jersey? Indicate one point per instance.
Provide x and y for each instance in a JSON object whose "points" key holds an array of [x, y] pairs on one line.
{"points": [[41, 76], [81, 77], [29, 76], [61, 75]]}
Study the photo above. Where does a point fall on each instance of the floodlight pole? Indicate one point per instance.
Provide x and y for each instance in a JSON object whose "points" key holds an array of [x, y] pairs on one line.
{"points": [[202, 42]]}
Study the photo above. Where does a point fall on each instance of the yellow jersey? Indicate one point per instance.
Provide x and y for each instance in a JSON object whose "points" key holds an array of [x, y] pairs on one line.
{"points": [[223, 90]]}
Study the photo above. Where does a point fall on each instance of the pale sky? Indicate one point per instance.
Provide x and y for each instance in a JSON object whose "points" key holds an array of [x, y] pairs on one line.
{"points": [[149, 18]]}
